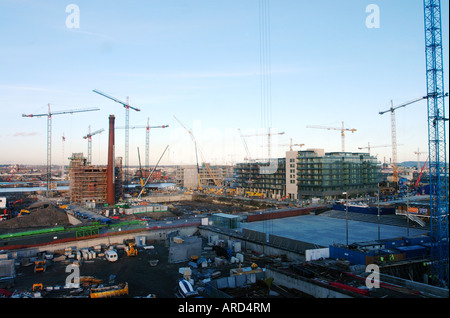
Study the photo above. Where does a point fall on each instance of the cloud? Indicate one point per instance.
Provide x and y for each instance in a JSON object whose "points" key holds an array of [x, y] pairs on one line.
{"points": [[24, 88], [25, 134]]}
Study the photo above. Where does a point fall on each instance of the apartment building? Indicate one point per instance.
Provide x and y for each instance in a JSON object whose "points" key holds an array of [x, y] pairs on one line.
{"points": [[310, 173], [328, 175]]}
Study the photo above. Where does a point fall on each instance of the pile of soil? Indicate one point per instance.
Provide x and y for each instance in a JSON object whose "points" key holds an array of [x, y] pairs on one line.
{"points": [[39, 217]]}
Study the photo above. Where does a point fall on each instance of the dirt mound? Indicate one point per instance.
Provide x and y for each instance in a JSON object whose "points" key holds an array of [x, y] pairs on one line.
{"points": [[42, 217]]}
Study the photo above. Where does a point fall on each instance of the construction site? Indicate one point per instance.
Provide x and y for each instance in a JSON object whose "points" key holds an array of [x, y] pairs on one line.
{"points": [[309, 224]]}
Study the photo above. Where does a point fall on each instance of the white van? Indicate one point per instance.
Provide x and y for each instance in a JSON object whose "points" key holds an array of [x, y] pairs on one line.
{"points": [[111, 255]]}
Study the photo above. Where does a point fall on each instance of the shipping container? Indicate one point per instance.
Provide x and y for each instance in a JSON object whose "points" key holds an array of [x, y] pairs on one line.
{"points": [[355, 257], [413, 251], [417, 240], [394, 243]]}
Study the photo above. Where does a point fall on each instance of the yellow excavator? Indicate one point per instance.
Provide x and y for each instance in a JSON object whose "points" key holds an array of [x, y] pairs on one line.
{"points": [[130, 247], [22, 212]]}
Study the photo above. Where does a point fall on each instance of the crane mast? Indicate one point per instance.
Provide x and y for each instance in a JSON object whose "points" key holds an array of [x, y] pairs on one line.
{"points": [[343, 130], [394, 134], [147, 139], [127, 124], [89, 139], [437, 142], [49, 115]]}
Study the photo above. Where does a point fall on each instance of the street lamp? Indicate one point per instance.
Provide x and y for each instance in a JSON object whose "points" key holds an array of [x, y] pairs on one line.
{"points": [[378, 211], [346, 215]]}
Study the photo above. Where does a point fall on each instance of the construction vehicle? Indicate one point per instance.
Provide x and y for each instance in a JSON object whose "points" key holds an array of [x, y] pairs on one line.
{"points": [[252, 194], [40, 266], [38, 287], [23, 211], [109, 291], [130, 247]]}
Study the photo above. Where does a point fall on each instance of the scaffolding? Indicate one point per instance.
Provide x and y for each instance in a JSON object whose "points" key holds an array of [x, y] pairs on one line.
{"points": [[87, 183]]}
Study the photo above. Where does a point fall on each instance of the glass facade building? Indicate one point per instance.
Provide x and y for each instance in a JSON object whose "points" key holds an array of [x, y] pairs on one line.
{"points": [[311, 173], [334, 173]]}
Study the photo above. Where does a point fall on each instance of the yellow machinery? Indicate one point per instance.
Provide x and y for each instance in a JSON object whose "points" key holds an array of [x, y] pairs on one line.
{"points": [[38, 287], [254, 194], [23, 211], [231, 192], [39, 266], [109, 291], [131, 247]]}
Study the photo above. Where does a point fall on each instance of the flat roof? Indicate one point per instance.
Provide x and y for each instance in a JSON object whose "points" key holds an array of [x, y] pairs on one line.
{"points": [[323, 230], [224, 215]]}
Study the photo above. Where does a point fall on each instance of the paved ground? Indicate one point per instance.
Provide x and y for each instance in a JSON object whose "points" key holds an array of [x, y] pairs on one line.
{"points": [[142, 278], [324, 231]]}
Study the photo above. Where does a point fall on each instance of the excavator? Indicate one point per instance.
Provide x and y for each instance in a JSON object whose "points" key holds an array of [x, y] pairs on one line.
{"points": [[22, 212], [40, 266], [130, 247]]}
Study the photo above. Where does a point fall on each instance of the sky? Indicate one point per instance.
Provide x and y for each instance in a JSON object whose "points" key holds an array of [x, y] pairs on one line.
{"points": [[198, 61]]}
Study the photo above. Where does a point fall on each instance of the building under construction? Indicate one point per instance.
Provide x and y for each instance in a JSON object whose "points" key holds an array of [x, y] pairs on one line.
{"points": [[88, 184], [188, 176]]}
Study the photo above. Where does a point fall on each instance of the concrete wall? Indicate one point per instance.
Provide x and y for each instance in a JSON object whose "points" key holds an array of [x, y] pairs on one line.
{"points": [[168, 198], [150, 235], [253, 245], [304, 286]]}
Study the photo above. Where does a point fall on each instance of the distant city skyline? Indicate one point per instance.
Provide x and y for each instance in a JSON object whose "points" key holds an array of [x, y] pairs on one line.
{"points": [[200, 61]]}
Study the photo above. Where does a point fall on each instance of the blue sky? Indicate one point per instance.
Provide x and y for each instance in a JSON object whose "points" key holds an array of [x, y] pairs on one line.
{"points": [[199, 60]]}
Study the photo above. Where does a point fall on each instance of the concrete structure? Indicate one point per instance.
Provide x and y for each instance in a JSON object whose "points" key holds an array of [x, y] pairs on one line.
{"points": [[110, 197], [187, 176], [265, 178], [310, 173], [88, 184], [328, 175]]}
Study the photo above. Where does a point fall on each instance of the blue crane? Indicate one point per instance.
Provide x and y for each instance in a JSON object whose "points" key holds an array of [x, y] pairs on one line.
{"points": [[437, 143]]}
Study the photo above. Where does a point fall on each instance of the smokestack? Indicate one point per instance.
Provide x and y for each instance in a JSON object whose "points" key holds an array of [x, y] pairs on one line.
{"points": [[110, 188]]}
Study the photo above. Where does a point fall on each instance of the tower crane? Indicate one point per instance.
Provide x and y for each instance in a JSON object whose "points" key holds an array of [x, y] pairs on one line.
{"points": [[127, 123], [418, 153], [292, 145], [342, 130], [437, 142], [269, 139], [370, 147], [62, 162], [147, 139], [216, 182], [89, 139], [394, 133], [49, 115], [196, 152], [245, 145]]}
